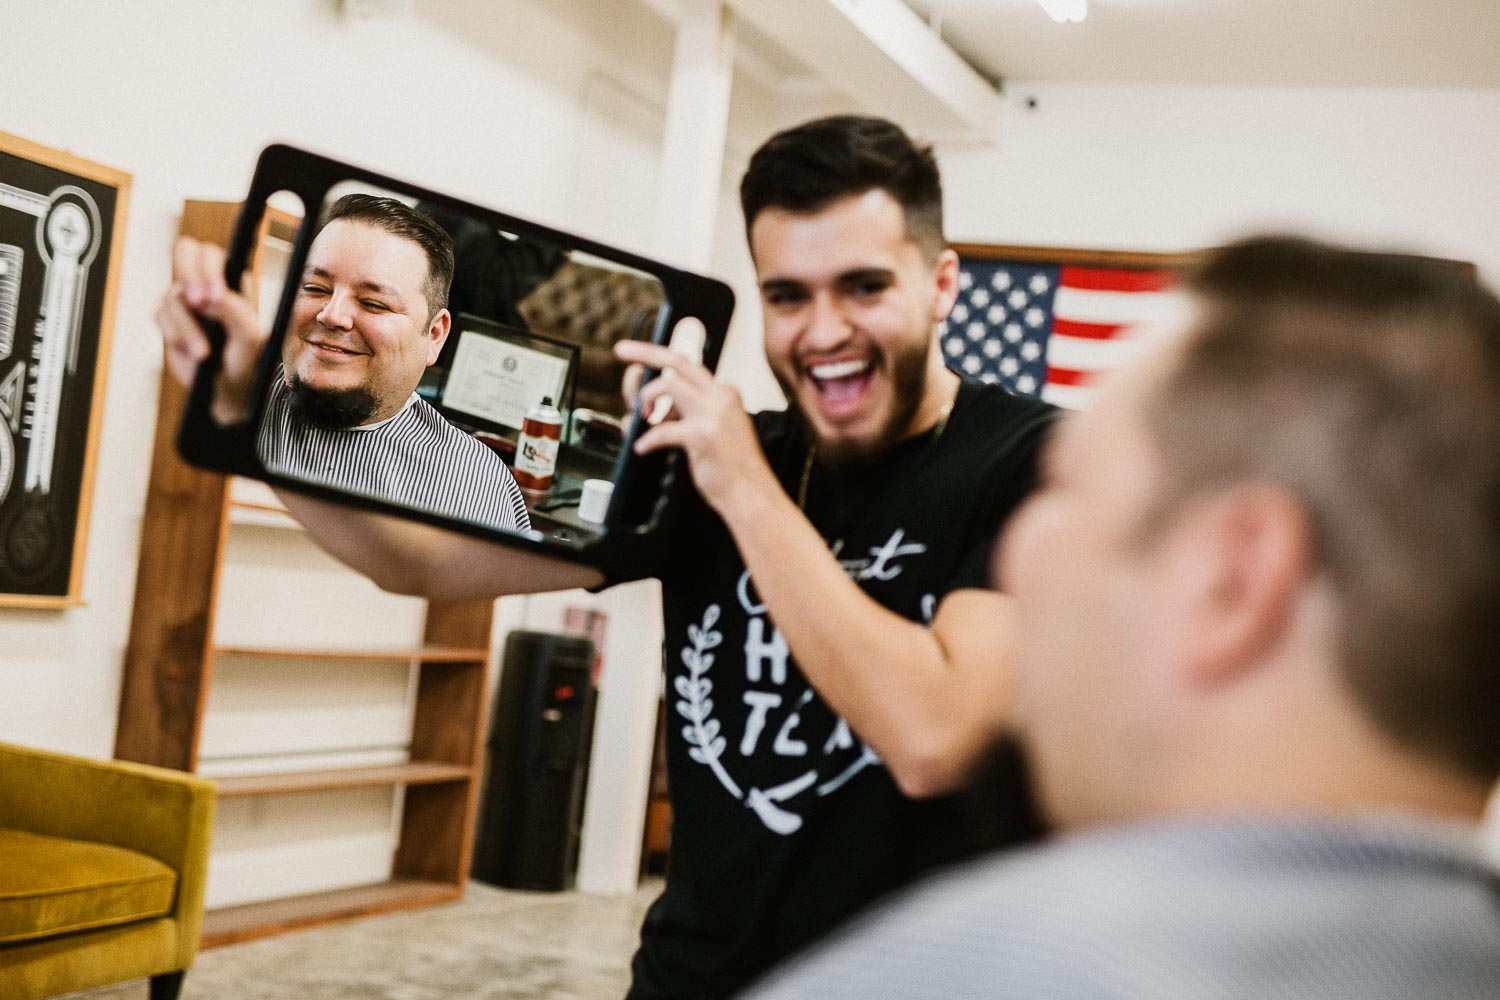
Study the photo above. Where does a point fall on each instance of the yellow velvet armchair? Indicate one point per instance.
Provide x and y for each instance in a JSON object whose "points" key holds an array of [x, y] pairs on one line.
{"points": [[102, 869]]}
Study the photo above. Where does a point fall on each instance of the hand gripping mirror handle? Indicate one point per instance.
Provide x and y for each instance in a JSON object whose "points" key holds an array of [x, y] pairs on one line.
{"points": [[201, 440]]}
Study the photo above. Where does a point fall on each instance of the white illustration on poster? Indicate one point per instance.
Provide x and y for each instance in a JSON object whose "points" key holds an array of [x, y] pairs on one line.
{"points": [[12, 258], [12, 395], [68, 228]]}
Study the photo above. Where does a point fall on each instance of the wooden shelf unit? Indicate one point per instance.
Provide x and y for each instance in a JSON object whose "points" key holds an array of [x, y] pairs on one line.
{"points": [[233, 924], [170, 658], [426, 654], [288, 782]]}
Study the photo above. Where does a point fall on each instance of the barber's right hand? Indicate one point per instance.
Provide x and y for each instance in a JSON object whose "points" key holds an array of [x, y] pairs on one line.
{"points": [[199, 294]]}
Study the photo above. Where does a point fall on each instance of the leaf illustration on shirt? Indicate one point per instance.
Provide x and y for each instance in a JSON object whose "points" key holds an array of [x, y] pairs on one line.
{"points": [[702, 733]]}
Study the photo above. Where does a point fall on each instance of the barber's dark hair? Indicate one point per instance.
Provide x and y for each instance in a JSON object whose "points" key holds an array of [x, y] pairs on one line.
{"points": [[401, 220], [808, 167], [1369, 386]]}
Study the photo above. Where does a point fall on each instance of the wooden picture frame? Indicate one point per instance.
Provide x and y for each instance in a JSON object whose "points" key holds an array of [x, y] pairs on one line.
{"points": [[62, 234], [1178, 260]]}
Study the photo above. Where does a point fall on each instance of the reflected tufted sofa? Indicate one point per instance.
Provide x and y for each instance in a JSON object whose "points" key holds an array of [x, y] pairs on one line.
{"points": [[102, 869]]}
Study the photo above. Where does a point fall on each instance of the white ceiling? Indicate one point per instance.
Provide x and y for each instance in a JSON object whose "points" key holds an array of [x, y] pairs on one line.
{"points": [[1384, 43]]}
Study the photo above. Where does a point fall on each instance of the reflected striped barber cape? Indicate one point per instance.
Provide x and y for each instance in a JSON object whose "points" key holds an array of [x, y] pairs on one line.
{"points": [[1051, 330], [413, 459]]}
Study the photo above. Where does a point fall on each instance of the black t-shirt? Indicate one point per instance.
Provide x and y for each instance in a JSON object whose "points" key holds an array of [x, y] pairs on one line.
{"points": [[784, 822]]}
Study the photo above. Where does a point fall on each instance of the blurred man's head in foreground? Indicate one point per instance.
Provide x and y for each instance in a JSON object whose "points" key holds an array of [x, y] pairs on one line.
{"points": [[1263, 572]]}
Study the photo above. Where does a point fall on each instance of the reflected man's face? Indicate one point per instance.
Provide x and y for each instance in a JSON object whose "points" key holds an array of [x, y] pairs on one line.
{"points": [[361, 327]]}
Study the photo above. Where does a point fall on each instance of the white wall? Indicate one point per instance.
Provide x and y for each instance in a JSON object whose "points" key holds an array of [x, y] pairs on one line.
{"points": [[521, 104], [1159, 168]]}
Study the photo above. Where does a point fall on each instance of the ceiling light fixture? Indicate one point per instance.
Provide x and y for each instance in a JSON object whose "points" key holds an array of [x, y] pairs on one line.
{"points": [[1066, 11]]}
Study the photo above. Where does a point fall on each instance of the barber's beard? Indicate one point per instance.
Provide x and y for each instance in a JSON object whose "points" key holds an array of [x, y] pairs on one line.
{"points": [[331, 409], [908, 375]]}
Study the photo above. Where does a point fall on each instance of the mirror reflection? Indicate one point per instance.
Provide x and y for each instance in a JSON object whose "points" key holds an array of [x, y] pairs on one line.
{"points": [[439, 364]]}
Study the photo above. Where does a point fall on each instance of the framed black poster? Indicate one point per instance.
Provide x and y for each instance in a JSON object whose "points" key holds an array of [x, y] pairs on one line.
{"points": [[62, 225]]}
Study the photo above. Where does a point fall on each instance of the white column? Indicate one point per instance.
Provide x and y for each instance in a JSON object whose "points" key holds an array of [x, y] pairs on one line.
{"points": [[614, 816], [625, 724], [692, 159]]}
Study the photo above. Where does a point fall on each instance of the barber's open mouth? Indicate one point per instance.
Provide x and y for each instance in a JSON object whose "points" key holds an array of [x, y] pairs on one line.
{"points": [[842, 385]]}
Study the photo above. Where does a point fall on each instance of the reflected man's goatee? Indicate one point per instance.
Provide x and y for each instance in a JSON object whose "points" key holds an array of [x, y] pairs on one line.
{"points": [[331, 409]]}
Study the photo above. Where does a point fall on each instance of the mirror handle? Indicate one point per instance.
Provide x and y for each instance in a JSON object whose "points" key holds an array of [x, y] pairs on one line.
{"points": [[203, 441]]}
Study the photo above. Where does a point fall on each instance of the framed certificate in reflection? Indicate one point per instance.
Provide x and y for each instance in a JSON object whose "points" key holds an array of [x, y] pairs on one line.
{"points": [[498, 372]]}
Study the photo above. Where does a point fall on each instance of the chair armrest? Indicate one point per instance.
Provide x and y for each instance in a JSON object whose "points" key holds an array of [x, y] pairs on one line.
{"points": [[159, 812], [162, 813]]}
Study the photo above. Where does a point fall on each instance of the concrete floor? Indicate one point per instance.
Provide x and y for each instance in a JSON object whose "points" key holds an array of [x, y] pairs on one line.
{"points": [[494, 944]]}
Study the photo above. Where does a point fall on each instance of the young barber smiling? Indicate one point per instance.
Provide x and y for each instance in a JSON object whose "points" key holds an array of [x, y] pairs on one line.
{"points": [[850, 306], [832, 644]]}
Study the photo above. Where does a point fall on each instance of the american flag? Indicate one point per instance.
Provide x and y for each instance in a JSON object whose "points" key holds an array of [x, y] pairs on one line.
{"points": [[1048, 330]]}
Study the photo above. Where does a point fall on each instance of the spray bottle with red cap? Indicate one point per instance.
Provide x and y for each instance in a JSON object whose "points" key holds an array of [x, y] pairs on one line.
{"points": [[536, 449]]}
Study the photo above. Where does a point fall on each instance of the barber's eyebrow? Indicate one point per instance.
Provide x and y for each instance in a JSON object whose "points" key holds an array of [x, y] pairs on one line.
{"points": [[860, 275], [780, 285], [367, 286], [855, 276]]}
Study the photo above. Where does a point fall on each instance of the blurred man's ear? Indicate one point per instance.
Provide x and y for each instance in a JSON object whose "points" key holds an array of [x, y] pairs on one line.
{"points": [[1248, 554], [437, 334]]}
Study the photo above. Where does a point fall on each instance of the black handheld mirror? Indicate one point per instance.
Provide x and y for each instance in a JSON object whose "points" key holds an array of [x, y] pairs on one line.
{"points": [[369, 394]]}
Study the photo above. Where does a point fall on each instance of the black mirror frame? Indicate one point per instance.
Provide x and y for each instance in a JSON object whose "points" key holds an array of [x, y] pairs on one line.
{"points": [[647, 488]]}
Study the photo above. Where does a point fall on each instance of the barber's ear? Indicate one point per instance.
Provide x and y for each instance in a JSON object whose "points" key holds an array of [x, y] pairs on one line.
{"points": [[437, 334], [945, 275], [1252, 553]]}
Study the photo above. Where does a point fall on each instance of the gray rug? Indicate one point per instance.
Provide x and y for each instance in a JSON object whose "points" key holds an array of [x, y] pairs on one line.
{"points": [[494, 944]]}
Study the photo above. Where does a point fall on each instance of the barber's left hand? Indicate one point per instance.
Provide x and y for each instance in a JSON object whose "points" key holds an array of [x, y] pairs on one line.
{"points": [[705, 418]]}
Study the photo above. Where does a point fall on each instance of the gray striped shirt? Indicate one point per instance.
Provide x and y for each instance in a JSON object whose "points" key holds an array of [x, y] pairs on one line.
{"points": [[415, 458], [1290, 910]]}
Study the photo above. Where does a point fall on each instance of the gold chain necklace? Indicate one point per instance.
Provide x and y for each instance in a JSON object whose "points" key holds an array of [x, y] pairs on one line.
{"points": [[812, 452]]}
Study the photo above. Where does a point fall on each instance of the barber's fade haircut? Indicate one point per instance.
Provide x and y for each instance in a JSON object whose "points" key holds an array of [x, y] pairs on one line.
{"points": [[402, 220], [808, 167], [1368, 385]]}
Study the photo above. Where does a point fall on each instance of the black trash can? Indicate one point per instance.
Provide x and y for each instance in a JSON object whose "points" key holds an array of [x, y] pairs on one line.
{"points": [[537, 763]]}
